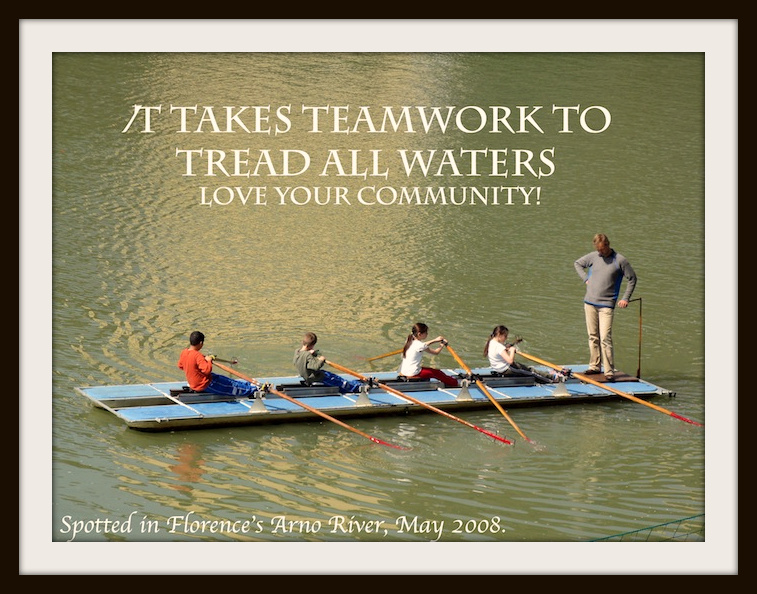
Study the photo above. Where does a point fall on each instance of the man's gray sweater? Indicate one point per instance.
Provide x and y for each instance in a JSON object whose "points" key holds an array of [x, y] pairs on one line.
{"points": [[605, 276]]}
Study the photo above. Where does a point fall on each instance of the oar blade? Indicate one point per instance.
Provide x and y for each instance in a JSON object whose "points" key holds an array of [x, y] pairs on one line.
{"points": [[685, 420], [586, 379], [485, 390]]}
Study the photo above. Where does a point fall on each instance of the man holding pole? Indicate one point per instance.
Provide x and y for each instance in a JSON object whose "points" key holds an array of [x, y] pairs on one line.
{"points": [[603, 272]]}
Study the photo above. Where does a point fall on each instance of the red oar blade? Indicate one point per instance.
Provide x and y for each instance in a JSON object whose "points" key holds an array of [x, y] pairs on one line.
{"points": [[685, 420], [486, 392], [585, 378]]}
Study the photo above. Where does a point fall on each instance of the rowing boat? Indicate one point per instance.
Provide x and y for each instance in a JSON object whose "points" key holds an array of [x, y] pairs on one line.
{"points": [[168, 406]]}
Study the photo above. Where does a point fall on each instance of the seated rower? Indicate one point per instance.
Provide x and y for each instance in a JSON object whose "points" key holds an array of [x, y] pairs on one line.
{"points": [[309, 364], [412, 355], [502, 359], [198, 369]]}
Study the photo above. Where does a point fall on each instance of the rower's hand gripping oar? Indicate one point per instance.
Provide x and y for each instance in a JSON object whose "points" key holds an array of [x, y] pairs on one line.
{"points": [[588, 380], [485, 390], [233, 361], [419, 402], [310, 408]]}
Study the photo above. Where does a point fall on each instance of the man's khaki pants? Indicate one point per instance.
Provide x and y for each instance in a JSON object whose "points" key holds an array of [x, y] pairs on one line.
{"points": [[599, 327]]}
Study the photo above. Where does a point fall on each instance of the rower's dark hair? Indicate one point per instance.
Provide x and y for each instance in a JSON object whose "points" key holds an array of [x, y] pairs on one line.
{"points": [[309, 339], [498, 331], [418, 329], [196, 338]]}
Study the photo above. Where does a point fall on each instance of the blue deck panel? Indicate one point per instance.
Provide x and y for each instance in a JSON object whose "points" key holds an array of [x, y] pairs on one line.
{"points": [[478, 395], [274, 403], [376, 396], [177, 411], [146, 413], [432, 397], [380, 397], [639, 387], [130, 390], [103, 392], [548, 390], [222, 408]]}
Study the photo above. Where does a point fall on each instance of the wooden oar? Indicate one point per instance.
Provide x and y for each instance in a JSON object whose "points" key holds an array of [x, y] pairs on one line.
{"points": [[588, 380], [485, 390], [310, 408], [420, 402], [397, 352], [232, 362]]}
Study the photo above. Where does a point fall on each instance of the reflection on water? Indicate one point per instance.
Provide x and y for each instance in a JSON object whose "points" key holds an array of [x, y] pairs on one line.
{"points": [[188, 467], [138, 264]]}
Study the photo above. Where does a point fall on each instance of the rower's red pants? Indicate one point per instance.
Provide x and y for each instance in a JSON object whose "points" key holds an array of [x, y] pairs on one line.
{"points": [[429, 372]]}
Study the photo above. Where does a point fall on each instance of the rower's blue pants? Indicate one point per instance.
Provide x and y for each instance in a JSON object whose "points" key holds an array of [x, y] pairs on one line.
{"points": [[336, 381], [220, 384]]}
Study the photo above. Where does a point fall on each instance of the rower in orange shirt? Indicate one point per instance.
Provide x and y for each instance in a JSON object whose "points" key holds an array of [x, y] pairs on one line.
{"points": [[198, 369]]}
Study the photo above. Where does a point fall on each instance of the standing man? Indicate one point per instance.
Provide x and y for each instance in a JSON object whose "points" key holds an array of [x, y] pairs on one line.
{"points": [[603, 271]]}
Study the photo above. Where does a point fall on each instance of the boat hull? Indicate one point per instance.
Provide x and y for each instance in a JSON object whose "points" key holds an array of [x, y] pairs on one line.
{"points": [[167, 406]]}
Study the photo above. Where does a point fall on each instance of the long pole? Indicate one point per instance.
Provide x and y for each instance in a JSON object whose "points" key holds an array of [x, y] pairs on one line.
{"points": [[638, 368], [485, 390], [588, 380], [421, 403], [310, 408]]}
